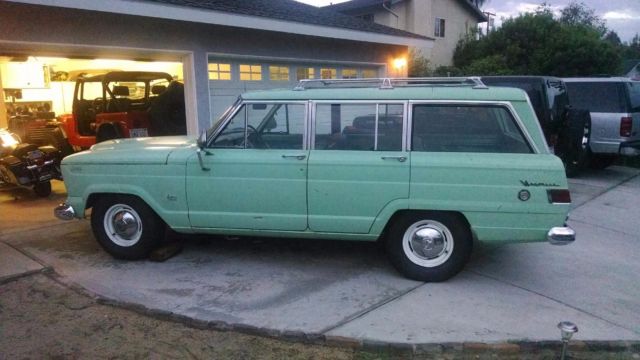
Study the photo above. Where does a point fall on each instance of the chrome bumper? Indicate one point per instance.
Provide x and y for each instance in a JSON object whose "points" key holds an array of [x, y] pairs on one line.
{"points": [[561, 235], [64, 212]]}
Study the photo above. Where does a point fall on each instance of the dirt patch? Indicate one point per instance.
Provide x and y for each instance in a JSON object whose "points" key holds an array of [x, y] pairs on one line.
{"points": [[39, 318]]}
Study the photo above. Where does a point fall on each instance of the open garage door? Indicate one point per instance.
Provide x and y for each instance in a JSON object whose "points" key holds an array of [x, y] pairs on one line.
{"points": [[230, 77], [91, 100]]}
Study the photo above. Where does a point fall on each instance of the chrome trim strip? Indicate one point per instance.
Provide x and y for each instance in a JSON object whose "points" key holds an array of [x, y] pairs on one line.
{"points": [[375, 130]]}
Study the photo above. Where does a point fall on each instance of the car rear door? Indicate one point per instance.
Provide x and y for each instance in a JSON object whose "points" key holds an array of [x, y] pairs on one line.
{"points": [[358, 164]]}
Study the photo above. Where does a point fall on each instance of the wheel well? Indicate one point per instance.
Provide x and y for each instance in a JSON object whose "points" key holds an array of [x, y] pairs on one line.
{"points": [[401, 213]]}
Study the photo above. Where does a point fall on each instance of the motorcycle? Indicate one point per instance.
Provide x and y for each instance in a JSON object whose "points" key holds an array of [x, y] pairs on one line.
{"points": [[28, 165]]}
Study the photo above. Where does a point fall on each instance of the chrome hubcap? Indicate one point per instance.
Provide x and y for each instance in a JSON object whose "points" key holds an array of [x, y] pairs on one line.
{"points": [[123, 225], [428, 243]]}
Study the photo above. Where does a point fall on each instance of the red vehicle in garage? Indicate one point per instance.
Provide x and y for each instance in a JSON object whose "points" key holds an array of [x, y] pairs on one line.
{"points": [[121, 104]]}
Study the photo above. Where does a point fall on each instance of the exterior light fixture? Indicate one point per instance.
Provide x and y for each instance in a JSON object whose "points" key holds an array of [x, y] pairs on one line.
{"points": [[567, 329], [399, 63]]}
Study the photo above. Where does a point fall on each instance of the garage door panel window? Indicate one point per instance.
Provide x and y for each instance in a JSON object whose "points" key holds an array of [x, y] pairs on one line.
{"points": [[369, 73], [356, 127], [219, 71], [278, 73], [466, 128], [328, 73], [250, 72], [349, 73], [303, 73]]}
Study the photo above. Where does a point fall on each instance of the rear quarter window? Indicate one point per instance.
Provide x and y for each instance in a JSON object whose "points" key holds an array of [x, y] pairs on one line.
{"points": [[602, 97], [466, 128], [634, 96]]}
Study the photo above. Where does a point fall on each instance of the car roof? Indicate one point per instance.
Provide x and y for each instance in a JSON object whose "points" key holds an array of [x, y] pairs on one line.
{"points": [[463, 93], [598, 79]]}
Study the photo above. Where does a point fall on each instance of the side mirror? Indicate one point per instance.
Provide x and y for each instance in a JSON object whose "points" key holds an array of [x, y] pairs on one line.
{"points": [[202, 142]]}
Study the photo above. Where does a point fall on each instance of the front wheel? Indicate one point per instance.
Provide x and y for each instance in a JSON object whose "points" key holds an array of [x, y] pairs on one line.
{"points": [[126, 227], [429, 246]]}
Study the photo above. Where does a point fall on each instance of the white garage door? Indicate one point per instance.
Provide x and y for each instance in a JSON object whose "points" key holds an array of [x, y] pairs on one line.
{"points": [[229, 78]]}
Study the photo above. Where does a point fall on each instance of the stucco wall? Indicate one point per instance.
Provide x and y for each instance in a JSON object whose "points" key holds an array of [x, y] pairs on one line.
{"points": [[418, 16], [29, 23]]}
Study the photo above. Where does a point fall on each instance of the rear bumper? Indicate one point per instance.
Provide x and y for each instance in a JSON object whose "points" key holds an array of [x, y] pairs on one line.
{"points": [[630, 148], [561, 235]]}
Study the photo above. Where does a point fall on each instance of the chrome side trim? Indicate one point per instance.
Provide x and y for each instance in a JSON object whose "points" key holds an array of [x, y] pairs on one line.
{"points": [[561, 235], [64, 212]]}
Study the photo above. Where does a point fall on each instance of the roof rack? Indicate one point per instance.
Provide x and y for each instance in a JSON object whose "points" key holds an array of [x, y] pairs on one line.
{"points": [[390, 83]]}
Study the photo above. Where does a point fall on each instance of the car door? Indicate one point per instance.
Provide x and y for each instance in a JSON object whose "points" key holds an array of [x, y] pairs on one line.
{"points": [[257, 171], [357, 166]]}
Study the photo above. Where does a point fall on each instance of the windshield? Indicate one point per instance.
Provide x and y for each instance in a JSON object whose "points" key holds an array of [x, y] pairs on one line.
{"points": [[216, 124], [602, 97]]}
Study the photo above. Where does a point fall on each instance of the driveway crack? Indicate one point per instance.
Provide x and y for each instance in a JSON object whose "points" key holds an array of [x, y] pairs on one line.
{"points": [[366, 311]]}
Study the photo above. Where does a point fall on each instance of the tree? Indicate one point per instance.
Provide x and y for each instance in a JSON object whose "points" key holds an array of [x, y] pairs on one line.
{"points": [[418, 64], [539, 44], [578, 14]]}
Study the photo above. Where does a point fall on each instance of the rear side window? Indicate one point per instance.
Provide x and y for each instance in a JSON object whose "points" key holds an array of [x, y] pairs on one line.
{"points": [[466, 128], [364, 127], [603, 97]]}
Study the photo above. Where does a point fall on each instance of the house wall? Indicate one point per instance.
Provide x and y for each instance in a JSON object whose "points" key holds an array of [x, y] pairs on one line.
{"points": [[418, 16], [51, 25]]}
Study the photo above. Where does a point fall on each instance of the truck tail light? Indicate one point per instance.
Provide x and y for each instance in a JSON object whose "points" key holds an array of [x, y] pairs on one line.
{"points": [[626, 125], [559, 196]]}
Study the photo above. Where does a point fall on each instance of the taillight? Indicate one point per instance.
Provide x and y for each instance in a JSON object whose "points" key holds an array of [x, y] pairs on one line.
{"points": [[559, 196], [626, 125]]}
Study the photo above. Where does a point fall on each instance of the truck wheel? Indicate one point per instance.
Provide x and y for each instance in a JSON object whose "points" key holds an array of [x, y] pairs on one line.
{"points": [[429, 246], [126, 227], [42, 189]]}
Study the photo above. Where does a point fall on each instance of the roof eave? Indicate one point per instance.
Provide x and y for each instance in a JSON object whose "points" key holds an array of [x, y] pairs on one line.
{"points": [[182, 13]]}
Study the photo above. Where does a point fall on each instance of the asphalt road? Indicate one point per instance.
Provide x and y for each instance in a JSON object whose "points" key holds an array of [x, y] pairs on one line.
{"points": [[349, 290]]}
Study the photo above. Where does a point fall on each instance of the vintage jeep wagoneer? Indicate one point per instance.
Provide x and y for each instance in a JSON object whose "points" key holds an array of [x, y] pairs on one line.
{"points": [[425, 165]]}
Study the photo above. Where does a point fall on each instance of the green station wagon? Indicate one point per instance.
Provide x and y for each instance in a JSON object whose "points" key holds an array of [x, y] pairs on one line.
{"points": [[426, 165]]}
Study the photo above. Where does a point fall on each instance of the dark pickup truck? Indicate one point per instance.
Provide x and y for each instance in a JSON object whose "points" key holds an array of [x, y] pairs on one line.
{"points": [[566, 129]]}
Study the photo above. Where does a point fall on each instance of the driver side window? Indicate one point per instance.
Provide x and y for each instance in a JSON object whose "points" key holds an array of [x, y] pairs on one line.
{"points": [[264, 126]]}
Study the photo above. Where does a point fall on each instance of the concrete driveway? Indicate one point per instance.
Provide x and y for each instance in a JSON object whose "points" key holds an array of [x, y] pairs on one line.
{"points": [[348, 291]]}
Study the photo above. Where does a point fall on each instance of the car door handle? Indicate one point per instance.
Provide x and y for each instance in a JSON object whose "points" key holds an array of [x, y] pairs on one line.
{"points": [[399, 158], [297, 156]]}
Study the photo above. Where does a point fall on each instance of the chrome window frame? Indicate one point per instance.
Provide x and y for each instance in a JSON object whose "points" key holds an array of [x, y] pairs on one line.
{"points": [[505, 104], [240, 104], [313, 108]]}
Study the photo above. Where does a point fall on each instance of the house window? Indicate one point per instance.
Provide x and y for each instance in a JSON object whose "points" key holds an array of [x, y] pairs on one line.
{"points": [[349, 73], [439, 28], [250, 72], [279, 73], [219, 71], [328, 73], [305, 73], [369, 73]]}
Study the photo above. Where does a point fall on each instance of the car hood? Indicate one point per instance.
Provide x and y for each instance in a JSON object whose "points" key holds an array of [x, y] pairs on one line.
{"points": [[151, 150]]}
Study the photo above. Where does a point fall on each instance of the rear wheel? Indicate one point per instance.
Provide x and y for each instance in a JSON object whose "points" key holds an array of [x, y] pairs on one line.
{"points": [[126, 227], [429, 246], [107, 131], [42, 189]]}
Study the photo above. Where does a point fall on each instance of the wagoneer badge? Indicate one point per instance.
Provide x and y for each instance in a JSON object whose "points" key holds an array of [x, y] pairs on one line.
{"points": [[527, 183]]}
